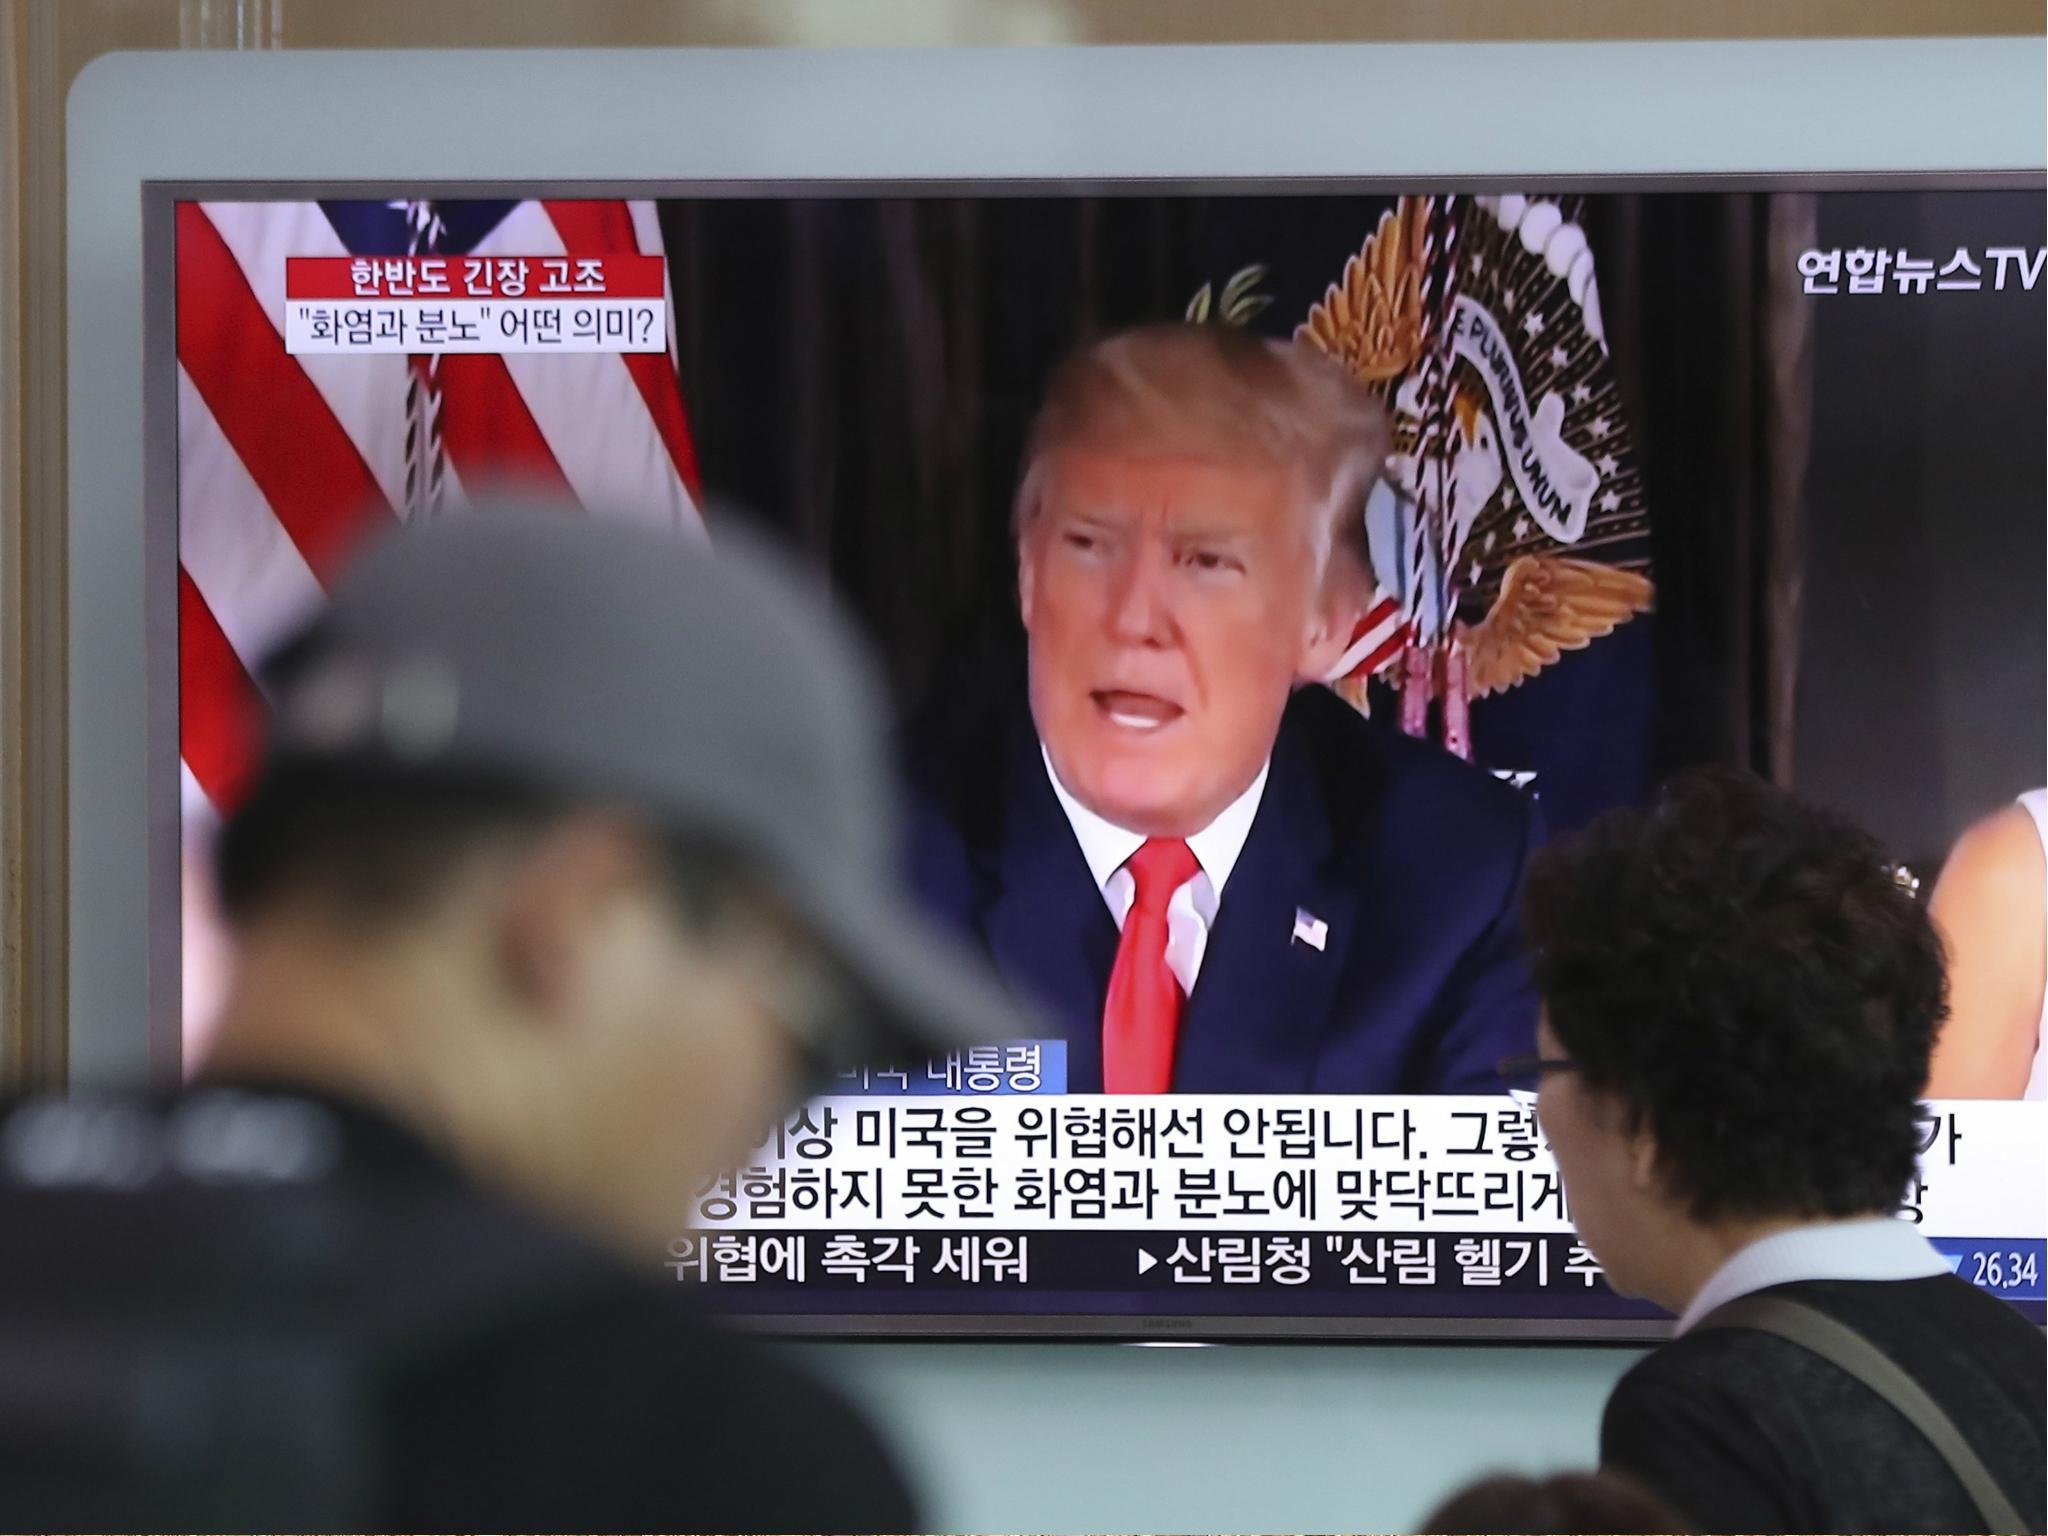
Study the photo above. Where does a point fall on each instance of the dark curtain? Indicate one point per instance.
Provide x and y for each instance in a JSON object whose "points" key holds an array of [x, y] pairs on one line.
{"points": [[1713, 343]]}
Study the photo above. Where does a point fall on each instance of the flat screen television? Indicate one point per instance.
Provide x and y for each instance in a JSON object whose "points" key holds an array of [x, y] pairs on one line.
{"points": [[1775, 432]]}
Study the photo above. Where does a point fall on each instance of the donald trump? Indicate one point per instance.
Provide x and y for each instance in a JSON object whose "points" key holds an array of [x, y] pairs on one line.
{"points": [[1216, 877]]}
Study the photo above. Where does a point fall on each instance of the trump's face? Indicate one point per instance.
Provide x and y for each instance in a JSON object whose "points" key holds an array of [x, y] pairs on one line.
{"points": [[1171, 605]]}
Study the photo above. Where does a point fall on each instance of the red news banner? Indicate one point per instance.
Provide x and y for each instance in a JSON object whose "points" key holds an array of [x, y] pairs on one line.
{"points": [[372, 304]]}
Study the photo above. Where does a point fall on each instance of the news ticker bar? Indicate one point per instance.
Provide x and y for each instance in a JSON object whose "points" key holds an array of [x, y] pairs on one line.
{"points": [[1473, 1264], [1334, 1164]]}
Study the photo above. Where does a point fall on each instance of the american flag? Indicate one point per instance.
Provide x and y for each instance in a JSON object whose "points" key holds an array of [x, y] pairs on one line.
{"points": [[1376, 639], [285, 463]]}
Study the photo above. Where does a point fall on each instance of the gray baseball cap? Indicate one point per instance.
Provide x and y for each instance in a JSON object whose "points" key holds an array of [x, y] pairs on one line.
{"points": [[719, 695]]}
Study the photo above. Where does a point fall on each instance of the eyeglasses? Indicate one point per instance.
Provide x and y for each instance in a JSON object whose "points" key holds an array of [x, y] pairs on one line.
{"points": [[1523, 1074]]}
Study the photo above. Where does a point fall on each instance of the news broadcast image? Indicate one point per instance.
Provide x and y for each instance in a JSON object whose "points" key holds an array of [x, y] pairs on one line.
{"points": [[1748, 474]]}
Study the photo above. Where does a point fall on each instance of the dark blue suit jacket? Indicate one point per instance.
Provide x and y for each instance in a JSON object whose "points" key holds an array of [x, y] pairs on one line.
{"points": [[1413, 858]]}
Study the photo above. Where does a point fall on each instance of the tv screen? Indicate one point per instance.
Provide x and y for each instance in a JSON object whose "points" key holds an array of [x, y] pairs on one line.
{"points": [[1679, 474]]}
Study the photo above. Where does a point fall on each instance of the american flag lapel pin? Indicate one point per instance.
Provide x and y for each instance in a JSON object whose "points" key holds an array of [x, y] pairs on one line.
{"points": [[1310, 930]]}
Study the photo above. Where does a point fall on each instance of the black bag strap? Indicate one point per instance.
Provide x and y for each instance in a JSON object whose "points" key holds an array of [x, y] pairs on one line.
{"points": [[1842, 1346]]}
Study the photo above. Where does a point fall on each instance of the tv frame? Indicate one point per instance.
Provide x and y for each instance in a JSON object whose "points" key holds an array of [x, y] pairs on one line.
{"points": [[148, 130]]}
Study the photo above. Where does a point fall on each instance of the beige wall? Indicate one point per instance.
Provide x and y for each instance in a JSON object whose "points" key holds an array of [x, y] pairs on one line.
{"points": [[44, 44]]}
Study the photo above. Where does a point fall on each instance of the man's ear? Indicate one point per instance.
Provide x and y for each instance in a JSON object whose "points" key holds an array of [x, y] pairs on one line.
{"points": [[1343, 593], [1332, 618], [556, 893], [1026, 571], [1643, 1169]]}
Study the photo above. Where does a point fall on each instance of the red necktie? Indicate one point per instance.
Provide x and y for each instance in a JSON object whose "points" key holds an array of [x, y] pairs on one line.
{"points": [[1141, 1016]]}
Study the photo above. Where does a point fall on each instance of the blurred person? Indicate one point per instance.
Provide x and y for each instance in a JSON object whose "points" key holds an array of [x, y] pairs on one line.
{"points": [[566, 875], [205, 955], [1216, 878], [1740, 994], [1991, 908], [1560, 1505]]}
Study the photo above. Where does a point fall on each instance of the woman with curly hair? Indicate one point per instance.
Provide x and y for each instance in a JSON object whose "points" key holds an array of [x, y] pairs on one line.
{"points": [[1740, 996]]}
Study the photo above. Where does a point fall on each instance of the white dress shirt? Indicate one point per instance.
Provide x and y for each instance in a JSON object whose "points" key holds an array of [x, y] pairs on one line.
{"points": [[1877, 1248], [1192, 911]]}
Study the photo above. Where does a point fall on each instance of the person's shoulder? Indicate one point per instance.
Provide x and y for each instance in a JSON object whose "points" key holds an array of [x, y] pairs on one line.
{"points": [[1943, 1313], [2008, 832], [1899, 1314], [1998, 858], [1687, 1421], [636, 1334], [1693, 1356], [1706, 1381], [627, 1407], [789, 1444], [1982, 1313], [1743, 1370], [1374, 774], [1685, 1360]]}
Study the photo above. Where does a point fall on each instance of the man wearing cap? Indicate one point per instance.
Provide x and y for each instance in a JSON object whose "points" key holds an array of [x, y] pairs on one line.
{"points": [[1216, 878], [566, 875]]}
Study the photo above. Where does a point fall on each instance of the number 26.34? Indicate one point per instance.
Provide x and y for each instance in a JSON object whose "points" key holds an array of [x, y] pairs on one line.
{"points": [[2007, 1271]]}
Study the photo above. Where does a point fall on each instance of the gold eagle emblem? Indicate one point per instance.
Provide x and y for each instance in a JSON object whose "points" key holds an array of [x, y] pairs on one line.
{"points": [[1548, 605], [1371, 320]]}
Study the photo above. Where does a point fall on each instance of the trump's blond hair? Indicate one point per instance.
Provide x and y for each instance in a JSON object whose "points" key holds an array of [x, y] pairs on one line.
{"points": [[1221, 394]]}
